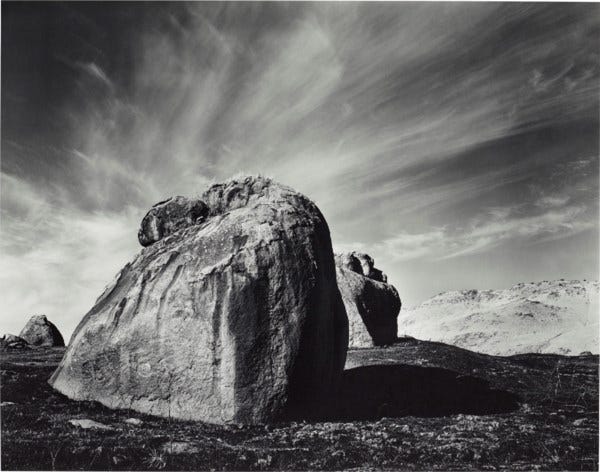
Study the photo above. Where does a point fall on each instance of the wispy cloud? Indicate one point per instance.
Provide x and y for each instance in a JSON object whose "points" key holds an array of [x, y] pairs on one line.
{"points": [[351, 93], [502, 227], [90, 69], [457, 128], [553, 201], [61, 267], [95, 71]]}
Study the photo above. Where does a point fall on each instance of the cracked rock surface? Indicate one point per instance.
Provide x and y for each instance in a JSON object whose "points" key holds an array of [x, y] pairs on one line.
{"points": [[234, 319]]}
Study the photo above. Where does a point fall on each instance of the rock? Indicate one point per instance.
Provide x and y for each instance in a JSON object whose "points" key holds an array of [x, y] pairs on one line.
{"points": [[7, 403], [169, 216], [371, 303], [579, 422], [40, 332], [10, 341], [90, 424], [134, 421], [361, 264], [237, 319], [586, 353]]}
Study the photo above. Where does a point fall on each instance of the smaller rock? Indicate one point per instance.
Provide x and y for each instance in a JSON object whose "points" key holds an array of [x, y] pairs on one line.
{"points": [[372, 305], [349, 261], [134, 421], [579, 422], [169, 216], [39, 331], [179, 447], [10, 341], [7, 403], [585, 353], [90, 424], [362, 264]]}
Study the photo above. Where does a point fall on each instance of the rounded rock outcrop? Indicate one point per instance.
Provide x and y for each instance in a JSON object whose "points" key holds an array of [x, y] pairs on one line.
{"points": [[169, 216], [235, 319], [372, 305], [40, 332]]}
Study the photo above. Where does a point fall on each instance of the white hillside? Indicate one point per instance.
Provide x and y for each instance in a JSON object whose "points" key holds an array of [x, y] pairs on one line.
{"points": [[558, 317]]}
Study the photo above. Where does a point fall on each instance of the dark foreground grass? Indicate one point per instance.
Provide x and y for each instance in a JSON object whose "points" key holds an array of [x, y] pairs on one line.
{"points": [[534, 412]]}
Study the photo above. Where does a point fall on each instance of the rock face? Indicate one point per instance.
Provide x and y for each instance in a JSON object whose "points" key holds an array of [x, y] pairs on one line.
{"points": [[236, 318], [371, 303], [10, 341], [41, 332], [169, 216]]}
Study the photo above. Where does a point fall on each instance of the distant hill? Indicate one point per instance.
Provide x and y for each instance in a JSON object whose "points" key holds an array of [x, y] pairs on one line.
{"points": [[558, 317]]}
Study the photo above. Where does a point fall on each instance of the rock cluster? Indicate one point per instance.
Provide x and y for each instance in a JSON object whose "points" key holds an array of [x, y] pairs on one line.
{"points": [[231, 313], [371, 303], [40, 332]]}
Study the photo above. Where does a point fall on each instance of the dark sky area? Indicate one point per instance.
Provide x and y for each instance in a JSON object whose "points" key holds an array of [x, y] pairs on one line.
{"points": [[457, 143]]}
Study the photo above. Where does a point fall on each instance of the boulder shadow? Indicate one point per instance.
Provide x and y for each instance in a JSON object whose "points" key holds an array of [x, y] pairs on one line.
{"points": [[374, 392]]}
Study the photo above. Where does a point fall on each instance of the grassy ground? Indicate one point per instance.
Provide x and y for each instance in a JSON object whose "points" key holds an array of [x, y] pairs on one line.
{"points": [[533, 412]]}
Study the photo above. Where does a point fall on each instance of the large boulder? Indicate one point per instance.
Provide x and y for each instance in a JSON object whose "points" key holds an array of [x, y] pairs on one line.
{"points": [[41, 332], [371, 303], [236, 318]]}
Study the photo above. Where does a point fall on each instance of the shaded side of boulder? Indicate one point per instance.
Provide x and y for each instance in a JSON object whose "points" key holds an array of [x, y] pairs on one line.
{"points": [[372, 305], [41, 332], [234, 319], [169, 216], [10, 341]]}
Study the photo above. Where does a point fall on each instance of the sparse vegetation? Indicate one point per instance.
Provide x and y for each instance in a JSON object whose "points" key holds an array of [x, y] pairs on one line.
{"points": [[555, 426]]}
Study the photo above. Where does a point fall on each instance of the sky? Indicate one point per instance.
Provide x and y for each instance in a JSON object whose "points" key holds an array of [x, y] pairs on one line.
{"points": [[456, 143]]}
